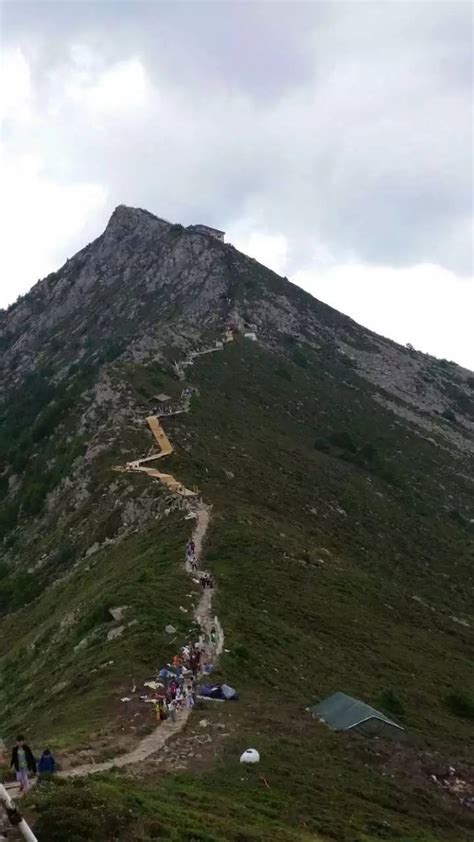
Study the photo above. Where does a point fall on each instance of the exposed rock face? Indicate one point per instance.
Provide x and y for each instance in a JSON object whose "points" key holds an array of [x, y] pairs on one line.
{"points": [[148, 291], [337, 466], [145, 282]]}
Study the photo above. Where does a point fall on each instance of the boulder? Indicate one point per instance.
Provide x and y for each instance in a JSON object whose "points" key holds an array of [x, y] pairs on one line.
{"points": [[119, 612], [113, 633]]}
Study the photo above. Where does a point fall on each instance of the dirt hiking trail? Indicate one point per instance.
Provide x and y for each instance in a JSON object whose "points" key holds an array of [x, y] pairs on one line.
{"points": [[203, 612]]}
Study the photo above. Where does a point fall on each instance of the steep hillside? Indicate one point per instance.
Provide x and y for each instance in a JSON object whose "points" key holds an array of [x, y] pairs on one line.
{"points": [[339, 468]]}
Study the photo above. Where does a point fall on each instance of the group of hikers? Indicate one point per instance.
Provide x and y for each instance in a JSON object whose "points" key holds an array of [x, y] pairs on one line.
{"points": [[24, 763], [171, 409], [179, 692], [176, 691], [191, 557], [181, 688], [206, 580]]}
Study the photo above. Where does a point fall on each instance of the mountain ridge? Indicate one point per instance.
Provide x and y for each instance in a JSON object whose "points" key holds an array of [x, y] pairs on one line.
{"points": [[338, 465]]}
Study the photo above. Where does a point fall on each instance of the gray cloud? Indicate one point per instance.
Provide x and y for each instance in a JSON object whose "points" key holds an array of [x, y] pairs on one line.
{"points": [[345, 127]]}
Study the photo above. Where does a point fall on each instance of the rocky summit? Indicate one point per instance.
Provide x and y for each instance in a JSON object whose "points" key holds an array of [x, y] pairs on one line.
{"points": [[163, 388]]}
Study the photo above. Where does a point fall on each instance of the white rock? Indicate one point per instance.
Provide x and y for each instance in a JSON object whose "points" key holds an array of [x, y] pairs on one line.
{"points": [[113, 633], [82, 643], [119, 612]]}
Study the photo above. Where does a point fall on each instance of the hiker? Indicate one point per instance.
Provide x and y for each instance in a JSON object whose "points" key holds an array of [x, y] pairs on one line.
{"points": [[194, 663], [172, 710], [213, 636], [160, 711], [23, 761], [47, 763], [192, 547]]}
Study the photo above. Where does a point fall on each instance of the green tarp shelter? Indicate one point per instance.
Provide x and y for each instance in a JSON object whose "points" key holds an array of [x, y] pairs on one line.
{"points": [[343, 713]]}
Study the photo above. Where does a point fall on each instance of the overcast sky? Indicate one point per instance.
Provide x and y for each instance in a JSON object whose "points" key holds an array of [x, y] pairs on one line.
{"points": [[332, 141]]}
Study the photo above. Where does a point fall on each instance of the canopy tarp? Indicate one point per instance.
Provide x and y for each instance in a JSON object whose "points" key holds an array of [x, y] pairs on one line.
{"points": [[218, 691], [344, 713]]}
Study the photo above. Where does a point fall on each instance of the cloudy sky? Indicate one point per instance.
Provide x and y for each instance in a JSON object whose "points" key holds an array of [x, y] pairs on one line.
{"points": [[331, 140]]}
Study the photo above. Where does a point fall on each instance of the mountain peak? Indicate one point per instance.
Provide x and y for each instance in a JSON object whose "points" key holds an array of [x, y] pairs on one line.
{"points": [[338, 467], [126, 219]]}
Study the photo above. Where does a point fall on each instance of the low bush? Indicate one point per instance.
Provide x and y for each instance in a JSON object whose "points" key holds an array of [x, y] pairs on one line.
{"points": [[389, 702], [461, 704]]}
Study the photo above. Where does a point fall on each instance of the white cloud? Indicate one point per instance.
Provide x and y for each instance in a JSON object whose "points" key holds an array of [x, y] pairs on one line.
{"points": [[121, 88], [15, 86], [425, 305], [40, 219], [269, 249]]}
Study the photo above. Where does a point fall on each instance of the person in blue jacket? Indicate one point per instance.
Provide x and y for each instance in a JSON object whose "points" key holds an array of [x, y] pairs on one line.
{"points": [[47, 763]]}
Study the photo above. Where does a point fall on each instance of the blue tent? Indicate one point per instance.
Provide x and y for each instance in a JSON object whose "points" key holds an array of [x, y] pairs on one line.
{"points": [[218, 691]]}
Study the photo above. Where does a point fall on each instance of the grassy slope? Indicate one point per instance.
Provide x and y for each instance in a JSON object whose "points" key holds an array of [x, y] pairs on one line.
{"points": [[312, 598], [144, 572], [301, 623]]}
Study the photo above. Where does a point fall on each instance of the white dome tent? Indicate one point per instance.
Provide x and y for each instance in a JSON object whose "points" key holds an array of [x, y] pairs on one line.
{"points": [[250, 755]]}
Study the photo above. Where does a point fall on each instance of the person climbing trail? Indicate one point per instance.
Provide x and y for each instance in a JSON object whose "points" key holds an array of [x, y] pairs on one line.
{"points": [[46, 763], [190, 553], [172, 709], [23, 761], [160, 711]]}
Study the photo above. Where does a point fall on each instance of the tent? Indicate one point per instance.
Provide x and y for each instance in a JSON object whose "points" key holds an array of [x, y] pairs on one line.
{"points": [[343, 713], [218, 691]]}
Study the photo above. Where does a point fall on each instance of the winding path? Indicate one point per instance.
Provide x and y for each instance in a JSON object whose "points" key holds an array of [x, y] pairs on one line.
{"points": [[203, 613]]}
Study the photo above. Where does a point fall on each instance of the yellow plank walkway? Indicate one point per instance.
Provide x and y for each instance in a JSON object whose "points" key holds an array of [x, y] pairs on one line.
{"points": [[203, 613]]}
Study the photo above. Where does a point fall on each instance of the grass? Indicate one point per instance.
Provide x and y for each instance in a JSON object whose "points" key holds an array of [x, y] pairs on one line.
{"points": [[143, 572], [319, 553]]}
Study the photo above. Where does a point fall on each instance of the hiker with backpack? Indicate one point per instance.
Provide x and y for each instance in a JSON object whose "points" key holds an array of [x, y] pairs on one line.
{"points": [[47, 763]]}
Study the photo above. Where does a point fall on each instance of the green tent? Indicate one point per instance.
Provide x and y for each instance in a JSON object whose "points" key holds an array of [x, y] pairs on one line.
{"points": [[343, 713]]}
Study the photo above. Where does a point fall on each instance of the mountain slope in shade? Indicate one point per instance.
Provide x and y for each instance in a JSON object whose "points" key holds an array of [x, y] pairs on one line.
{"points": [[338, 465]]}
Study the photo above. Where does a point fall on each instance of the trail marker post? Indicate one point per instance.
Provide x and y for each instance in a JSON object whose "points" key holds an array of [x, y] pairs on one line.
{"points": [[14, 816]]}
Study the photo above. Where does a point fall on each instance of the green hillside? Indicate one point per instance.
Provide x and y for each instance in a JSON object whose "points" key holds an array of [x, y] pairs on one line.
{"points": [[322, 535], [341, 542]]}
